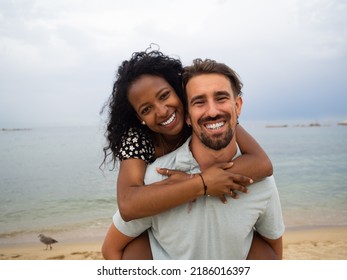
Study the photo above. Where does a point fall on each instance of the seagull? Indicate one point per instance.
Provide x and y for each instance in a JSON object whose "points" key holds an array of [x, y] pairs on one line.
{"points": [[47, 240]]}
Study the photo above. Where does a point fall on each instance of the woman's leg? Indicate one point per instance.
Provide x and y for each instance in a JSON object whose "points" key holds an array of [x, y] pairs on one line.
{"points": [[260, 250], [138, 249]]}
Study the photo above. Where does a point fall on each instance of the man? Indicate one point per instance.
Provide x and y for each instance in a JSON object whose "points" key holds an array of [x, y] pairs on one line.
{"points": [[206, 228]]}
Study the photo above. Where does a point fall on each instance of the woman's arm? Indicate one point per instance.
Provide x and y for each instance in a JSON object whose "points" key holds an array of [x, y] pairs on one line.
{"points": [[254, 162], [136, 201]]}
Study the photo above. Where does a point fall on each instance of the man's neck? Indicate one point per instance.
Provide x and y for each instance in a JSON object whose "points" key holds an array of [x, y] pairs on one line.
{"points": [[206, 157]]}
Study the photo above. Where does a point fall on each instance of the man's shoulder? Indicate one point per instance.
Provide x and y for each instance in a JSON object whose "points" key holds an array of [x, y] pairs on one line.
{"points": [[267, 183], [170, 158], [263, 189], [164, 161]]}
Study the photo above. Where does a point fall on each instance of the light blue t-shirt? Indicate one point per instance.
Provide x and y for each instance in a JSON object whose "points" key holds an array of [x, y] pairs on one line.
{"points": [[207, 228]]}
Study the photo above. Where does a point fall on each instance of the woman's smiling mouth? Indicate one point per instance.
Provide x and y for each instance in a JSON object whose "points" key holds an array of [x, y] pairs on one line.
{"points": [[170, 120]]}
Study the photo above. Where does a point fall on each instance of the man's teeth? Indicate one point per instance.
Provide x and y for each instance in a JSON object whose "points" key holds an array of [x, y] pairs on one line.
{"points": [[170, 120], [215, 125]]}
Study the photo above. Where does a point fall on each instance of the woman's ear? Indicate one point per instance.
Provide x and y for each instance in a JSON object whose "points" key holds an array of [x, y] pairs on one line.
{"points": [[141, 121]]}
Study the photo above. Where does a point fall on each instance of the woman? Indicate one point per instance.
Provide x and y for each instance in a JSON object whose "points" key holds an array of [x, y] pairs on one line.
{"points": [[147, 121]]}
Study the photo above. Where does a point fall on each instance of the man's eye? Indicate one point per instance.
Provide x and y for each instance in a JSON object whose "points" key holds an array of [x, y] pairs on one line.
{"points": [[222, 99], [198, 102]]}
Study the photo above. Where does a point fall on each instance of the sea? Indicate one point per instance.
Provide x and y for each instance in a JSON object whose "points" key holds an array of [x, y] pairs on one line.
{"points": [[52, 181]]}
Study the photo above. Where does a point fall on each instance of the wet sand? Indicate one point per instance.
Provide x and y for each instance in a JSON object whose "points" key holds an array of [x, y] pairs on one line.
{"points": [[312, 244]]}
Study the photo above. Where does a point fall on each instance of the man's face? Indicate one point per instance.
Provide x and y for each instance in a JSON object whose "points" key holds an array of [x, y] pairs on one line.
{"points": [[212, 109]]}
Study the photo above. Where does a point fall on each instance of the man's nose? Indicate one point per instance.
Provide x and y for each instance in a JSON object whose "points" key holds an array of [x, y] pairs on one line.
{"points": [[212, 109]]}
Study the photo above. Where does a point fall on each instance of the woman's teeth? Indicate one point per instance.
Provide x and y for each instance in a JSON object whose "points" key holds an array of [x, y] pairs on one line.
{"points": [[170, 120]]}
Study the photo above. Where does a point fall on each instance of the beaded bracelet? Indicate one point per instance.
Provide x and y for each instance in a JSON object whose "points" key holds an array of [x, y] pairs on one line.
{"points": [[203, 182]]}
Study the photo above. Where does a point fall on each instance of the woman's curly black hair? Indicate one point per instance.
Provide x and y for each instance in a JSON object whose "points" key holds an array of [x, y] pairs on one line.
{"points": [[122, 116]]}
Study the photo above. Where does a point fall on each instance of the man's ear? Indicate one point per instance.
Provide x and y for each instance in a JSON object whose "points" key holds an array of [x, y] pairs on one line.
{"points": [[239, 103], [188, 120]]}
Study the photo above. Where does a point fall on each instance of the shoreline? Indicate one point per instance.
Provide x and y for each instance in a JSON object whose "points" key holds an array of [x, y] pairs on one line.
{"points": [[324, 243], [321, 243]]}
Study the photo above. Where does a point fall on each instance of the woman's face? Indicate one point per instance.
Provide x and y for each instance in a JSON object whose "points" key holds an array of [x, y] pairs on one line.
{"points": [[157, 104]]}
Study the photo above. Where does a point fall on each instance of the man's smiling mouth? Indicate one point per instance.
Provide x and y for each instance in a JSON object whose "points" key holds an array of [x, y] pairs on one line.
{"points": [[214, 126]]}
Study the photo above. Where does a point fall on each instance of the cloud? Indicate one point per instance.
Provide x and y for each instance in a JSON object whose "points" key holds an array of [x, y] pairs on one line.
{"points": [[59, 57]]}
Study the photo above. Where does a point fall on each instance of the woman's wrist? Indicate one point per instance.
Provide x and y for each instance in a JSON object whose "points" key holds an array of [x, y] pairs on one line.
{"points": [[199, 184], [203, 183]]}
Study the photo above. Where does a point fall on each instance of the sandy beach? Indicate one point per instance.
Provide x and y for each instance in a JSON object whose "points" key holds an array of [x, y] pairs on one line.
{"points": [[314, 244]]}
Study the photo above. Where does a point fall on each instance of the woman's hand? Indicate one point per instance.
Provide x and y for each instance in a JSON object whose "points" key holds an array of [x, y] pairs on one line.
{"points": [[174, 176], [218, 179]]}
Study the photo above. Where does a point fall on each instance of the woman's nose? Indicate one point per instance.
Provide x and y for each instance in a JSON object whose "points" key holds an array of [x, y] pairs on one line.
{"points": [[162, 110]]}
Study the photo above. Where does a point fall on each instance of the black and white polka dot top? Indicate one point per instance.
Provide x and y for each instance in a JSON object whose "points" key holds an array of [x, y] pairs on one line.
{"points": [[135, 144]]}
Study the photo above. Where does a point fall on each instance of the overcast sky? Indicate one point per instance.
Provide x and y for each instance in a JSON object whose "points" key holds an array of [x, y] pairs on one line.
{"points": [[58, 58]]}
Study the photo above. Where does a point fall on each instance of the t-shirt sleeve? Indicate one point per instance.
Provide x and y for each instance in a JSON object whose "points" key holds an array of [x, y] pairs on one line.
{"points": [[135, 144], [132, 228], [270, 224]]}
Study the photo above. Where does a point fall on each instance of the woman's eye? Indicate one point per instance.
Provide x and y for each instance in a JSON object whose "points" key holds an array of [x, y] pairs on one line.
{"points": [[145, 110], [164, 95]]}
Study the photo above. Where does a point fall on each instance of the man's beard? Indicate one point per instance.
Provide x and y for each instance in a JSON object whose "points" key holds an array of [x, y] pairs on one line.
{"points": [[217, 142]]}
